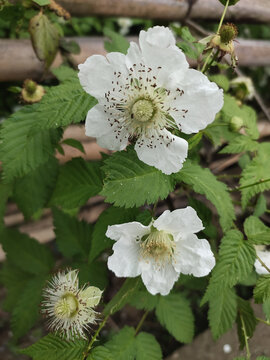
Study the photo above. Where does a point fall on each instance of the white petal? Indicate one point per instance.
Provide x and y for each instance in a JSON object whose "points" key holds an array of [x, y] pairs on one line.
{"points": [[131, 230], [114, 141], [167, 156], [158, 279], [159, 51], [265, 257], [202, 99], [194, 256], [134, 55], [97, 73], [180, 221], [124, 262]]}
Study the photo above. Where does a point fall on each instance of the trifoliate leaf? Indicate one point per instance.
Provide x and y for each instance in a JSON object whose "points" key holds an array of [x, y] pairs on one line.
{"points": [[110, 216], [123, 296], [246, 321], [26, 310], [147, 347], [73, 237], [14, 280], [44, 37], [55, 348], [262, 290], [256, 231], [118, 42], [239, 144], [222, 311], [204, 182], [78, 181], [124, 171], [26, 253], [256, 175], [33, 191], [174, 313], [25, 146]]}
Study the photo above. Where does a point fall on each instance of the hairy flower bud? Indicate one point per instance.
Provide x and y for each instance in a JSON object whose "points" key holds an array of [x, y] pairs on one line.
{"points": [[236, 123]]}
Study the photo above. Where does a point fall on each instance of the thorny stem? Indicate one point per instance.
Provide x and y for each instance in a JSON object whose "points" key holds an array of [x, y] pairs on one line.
{"points": [[246, 337], [262, 263], [141, 322], [93, 339], [205, 65], [249, 185], [263, 321]]}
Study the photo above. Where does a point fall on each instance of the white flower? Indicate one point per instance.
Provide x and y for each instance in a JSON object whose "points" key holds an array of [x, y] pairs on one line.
{"points": [[142, 94], [68, 308], [125, 24], [264, 255], [161, 251]]}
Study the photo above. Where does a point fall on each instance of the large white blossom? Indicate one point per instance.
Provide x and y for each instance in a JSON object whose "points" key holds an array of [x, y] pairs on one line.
{"points": [[146, 93], [264, 254], [161, 251], [68, 308]]}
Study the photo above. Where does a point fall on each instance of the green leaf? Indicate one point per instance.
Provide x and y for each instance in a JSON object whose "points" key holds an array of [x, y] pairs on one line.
{"points": [[70, 46], [123, 296], [5, 192], [124, 171], [121, 347], [245, 319], [95, 274], [263, 358], [26, 310], [174, 313], [255, 173], [261, 206], [74, 143], [26, 253], [221, 80], [25, 146], [256, 231], [262, 290], [44, 37], [188, 50], [147, 347], [222, 311], [204, 182], [118, 43], [78, 180], [55, 348], [73, 237], [64, 104], [110, 216], [14, 280], [231, 2], [65, 73], [42, 2], [235, 262], [143, 300], [266, 309], [239, 144], [33, 191]]}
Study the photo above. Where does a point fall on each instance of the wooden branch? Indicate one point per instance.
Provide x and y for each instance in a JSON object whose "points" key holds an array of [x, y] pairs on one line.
{"points": [[16, 67], [245, 10]]}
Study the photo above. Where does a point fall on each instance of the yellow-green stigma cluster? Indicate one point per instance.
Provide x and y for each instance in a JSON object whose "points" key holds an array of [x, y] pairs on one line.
{"points": [[142, 110], [66, 307], [158, 245]]}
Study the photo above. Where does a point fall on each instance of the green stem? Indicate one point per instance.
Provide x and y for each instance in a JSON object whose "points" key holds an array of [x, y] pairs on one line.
{"points": [[246, 337], [223, 16], [141, 322], [262, 263], [208, 67], [206, 62], [263, 321], [250, 185], [94, 337]]}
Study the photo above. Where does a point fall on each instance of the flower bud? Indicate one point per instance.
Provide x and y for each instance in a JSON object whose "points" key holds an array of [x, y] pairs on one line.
{"points": [[243, 88], [228, 32], [236, 123], [32, 92]]}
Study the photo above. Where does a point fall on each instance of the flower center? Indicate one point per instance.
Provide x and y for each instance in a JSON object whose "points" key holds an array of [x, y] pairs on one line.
{"points": [[66, 307], [142, 110], [158, 245]]}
